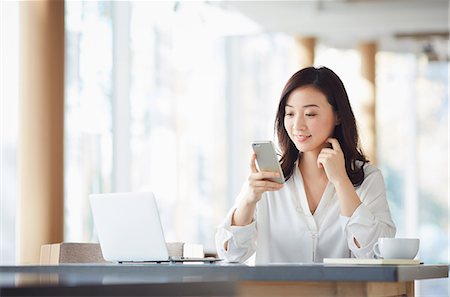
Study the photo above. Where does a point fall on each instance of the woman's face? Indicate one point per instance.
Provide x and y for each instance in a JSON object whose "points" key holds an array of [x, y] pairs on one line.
{"points": [[309, 119]]}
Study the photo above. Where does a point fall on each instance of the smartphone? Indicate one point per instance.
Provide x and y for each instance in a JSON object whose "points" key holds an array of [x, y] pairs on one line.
{"points": [[267, 160]]}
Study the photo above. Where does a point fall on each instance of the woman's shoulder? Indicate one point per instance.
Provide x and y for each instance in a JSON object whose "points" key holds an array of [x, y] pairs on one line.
{"points": [[371, 173], [368, 168]]}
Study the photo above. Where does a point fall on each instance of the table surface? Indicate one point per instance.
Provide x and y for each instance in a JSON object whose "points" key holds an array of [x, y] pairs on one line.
{"points": [[88, 274]]}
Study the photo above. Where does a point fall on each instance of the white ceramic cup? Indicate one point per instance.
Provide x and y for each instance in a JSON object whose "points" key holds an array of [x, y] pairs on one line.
{"points": [[396, 248]]}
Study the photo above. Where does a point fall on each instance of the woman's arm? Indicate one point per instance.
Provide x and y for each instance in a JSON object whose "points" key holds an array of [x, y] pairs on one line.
{"points": [[372, 219], [235, 243], [258, 183], [333, 162], [236, 237], [366, 217]]}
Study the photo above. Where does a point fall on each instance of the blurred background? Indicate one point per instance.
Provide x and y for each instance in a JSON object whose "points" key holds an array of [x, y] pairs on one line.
{"points": [[167, 96]]}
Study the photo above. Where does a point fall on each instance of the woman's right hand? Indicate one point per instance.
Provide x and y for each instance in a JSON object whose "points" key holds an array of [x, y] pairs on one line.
{"points": [[258, 182]]}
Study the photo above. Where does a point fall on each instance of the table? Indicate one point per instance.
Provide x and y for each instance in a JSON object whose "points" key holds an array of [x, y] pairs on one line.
{"points": [[219, 279]]}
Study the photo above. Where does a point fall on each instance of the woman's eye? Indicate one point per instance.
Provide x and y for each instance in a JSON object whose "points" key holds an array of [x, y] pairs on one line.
{"points": [[289, 114], [310, 114]]}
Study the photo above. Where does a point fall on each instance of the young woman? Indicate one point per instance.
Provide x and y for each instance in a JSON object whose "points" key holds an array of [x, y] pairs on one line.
{"points": [[333, 203]]}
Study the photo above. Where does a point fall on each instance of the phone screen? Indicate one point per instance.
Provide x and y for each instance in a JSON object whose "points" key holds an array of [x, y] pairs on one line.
{"points": [[267, 160]]}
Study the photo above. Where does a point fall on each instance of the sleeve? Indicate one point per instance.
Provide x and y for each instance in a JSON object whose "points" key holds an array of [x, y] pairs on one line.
{"points": [[371, 220], [240, 240]]}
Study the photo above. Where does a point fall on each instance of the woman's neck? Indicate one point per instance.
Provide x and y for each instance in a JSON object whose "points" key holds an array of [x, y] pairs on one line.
{"points": [[308, 166]]}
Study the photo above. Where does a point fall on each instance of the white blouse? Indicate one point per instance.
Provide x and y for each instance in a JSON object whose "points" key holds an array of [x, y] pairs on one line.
{"points": [[285, 231]]}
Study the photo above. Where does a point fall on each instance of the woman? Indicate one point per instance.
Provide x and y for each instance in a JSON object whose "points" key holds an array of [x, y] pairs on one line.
{"points": [[333, 203]]}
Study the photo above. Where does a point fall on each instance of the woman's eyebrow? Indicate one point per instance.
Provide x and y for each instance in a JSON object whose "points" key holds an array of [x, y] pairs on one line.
{"points": [[311, 105], [304, 106]]}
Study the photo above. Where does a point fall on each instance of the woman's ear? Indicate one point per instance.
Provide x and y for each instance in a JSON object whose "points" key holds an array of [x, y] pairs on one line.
{"points": [[337, 120]]}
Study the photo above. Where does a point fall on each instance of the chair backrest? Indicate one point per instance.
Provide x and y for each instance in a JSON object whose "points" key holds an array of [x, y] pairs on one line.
{"points": [[71, 252], [78, 252]]}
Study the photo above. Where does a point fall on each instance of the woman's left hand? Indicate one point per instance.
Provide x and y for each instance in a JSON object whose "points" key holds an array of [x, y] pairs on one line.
{"points": [[333, 162]]}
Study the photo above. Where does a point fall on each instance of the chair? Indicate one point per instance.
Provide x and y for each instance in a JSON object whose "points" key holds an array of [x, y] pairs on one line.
{"points": [[77, 252], [71, 252]]}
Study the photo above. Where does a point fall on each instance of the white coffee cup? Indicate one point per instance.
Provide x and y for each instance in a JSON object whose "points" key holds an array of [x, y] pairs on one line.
{"points": [[396, 248]]}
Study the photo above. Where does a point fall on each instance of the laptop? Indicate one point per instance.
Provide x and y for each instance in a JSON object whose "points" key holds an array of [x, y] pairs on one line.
{"points": [[129, 228]]}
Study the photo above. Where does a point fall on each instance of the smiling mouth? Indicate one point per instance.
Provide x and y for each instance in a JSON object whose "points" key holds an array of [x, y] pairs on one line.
{"points": [[302, 138]]}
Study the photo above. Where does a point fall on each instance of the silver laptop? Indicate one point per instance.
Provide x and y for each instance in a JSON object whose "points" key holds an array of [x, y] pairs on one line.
{"points": [[129, 228]]}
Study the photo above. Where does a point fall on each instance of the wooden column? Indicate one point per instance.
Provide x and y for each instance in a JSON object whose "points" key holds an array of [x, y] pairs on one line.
{"points": [[305, 51], [367, 122], [41, 180]]}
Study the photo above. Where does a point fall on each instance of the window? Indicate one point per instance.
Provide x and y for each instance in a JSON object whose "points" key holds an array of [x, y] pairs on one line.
{"points": [[88, 116], [412, 109], [9, 129], [412, 136], [180, 124]]}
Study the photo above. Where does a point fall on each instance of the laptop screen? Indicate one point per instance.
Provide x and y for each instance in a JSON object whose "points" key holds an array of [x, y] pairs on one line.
{"points": [[128, 227]]}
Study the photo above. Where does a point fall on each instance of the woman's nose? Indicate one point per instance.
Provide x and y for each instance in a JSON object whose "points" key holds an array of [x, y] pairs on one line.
{"points": [[299, 124]]}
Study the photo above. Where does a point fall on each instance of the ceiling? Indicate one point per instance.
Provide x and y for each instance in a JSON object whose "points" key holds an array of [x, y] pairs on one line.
{"points": [[394, 24]]}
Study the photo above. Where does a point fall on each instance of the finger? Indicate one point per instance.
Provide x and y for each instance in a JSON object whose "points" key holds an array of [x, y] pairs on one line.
{"points": [[335, 144], [262, 175], [268, 187], [321, 160], [265, 184], [269, 174], [323, 156], [274, 189], [264, 189], [253, 164], [327, 151]]}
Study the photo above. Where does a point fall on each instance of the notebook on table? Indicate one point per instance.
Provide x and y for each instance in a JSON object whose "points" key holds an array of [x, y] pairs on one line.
{"points": [[371, 261], [129, 229]]}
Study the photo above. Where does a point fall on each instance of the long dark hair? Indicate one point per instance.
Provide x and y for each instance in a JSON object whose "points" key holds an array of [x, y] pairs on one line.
{"points": [[326, 81]]}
